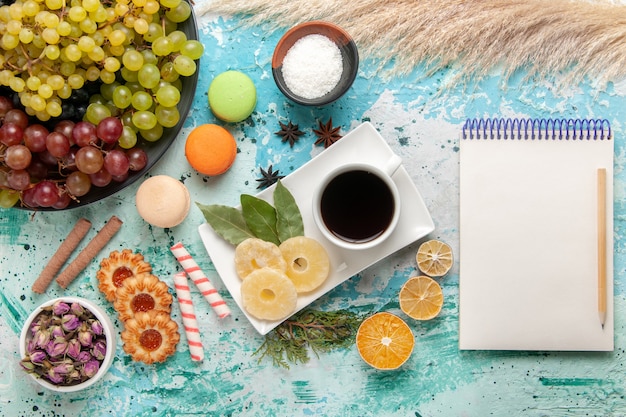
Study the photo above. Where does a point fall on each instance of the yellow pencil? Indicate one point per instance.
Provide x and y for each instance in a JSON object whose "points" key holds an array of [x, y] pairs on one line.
{"points": [[602, 245]]}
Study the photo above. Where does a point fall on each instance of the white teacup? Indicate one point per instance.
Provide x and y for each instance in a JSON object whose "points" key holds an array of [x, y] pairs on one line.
{"points": [[357, 205]]}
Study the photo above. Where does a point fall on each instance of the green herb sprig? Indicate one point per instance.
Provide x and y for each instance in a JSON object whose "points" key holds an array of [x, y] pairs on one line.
{"points": [[318, 331]]}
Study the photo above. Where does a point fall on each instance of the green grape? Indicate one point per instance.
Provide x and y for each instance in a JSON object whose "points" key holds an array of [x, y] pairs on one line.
{"points": [[52, 52], [139, 3], [67, 68], [144, 120], [26, 35], [152, 135], [97, 54], [178, 38], [142, 100], [72, 52], [162, 46], [128, 75], [179, 13], [107, 90], [16, 11], [76, 81], [45, 91], [55, 4], [77, 13], [17, 84], [51, 20], [128, 139], [65, 92], [107, 77], [55, 81], [134, 86], [154, 31], [10, 41], [87, 25], [192, 49], [92, 73], [111, 64], [99, 15], [122, 96], [184, 65], [30, 8], [91, 5], [13, 27], [149, 76], [8, 198], [54, 109], [151, 6], [168, 73], [86, 43], [64, 28], [149, 57], [168, 4], [141, 26], [37, 103], [116, 37], [167, 116], [96, 112], [133, 60], [33, 83], [168, 96]]}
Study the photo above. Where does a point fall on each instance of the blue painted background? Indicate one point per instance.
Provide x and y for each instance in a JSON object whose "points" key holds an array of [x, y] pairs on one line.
{"points": [[420, 119]]}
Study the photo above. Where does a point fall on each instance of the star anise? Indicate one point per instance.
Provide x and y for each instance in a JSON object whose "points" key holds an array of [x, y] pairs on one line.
{"points": [[289, 132], [268, 177], [327, 134]]}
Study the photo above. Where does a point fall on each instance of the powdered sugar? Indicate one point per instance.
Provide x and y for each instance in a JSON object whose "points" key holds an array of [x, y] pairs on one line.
{"points": [[313, 66]]}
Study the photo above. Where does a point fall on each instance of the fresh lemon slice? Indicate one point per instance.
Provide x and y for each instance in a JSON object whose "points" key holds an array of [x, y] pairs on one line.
{"points": [[434, 258], [384, 341], [421, 298]]}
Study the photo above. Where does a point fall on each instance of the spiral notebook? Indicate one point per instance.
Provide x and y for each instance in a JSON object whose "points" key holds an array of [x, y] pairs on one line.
{"points": [[530, 235]]}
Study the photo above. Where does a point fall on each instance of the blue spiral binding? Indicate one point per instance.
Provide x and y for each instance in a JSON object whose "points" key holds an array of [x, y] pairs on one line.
{"points": [[537, 129]]}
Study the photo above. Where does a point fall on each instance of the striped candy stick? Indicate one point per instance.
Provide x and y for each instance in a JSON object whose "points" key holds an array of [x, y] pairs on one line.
{"points": [[199, 278], [190, 322]]}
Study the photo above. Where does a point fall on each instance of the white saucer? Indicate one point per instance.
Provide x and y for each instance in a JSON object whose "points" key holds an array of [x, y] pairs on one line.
{"points": [[363, 144]]}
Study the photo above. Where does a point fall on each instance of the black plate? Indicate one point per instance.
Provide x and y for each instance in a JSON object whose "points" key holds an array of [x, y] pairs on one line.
{"points": [[154, 150]]}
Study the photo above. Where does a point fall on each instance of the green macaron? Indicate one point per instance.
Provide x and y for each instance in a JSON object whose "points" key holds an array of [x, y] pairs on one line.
{"points": [[232, 96]]}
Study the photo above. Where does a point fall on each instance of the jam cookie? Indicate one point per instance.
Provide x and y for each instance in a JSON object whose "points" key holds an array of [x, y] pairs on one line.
{"points": [[150, 336], [141, 293], [118, 267]]}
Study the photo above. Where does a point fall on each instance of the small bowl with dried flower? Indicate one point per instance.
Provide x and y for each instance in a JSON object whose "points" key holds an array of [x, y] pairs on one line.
{"points": [[67, 344], [315, 63]]}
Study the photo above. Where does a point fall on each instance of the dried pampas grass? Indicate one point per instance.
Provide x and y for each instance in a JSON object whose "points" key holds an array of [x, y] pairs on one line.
{"points": [[565, 39]]}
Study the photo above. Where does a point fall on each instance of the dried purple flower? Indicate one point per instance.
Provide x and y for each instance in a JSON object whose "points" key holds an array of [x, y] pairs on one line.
{"points": [[56, 347], [84, 357], [38, 357], [54, 377], [57, 331], [96, 328], [60, 308], [42, 338], [77, 309], [70, 322], [85, 338], [99, 349], [91, 368], [73, 348], [27, 365], [63, 368]]}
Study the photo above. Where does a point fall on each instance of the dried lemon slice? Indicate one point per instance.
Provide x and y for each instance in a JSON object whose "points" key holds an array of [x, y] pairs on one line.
{"points": [[434, 258], [421, 298], [384, 341], [268, 294], [308, 265], [253, 254]]}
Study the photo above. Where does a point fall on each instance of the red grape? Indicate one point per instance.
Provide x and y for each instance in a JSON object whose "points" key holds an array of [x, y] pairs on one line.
{"points": [[137, 158], [46, 193], [47, 158], [17, 117], [120, 178], [63, 201], [101, 178], [65, 127], [35, 137], [109, 129], [89, 159], [28, 197], [78, 183], [18, 179], [5, 105], [57, 144], [11, 134], [17, 157], [116, 162], [37, 169], [84, 133]]}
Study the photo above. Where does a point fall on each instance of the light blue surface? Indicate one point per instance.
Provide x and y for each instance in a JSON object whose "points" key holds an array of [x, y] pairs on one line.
{"points": [[420, 120]]}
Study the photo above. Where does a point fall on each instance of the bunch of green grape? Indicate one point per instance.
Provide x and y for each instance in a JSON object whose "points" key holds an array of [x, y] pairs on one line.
{"points": [[132, 48]]}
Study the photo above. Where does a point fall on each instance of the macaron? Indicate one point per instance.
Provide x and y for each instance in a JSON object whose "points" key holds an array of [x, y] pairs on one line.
{"points": [[210, 149], [232, 96], [163, 201]]}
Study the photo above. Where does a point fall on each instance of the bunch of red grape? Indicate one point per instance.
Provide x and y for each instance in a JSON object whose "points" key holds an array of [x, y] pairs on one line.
{"points": [[50, 168]]}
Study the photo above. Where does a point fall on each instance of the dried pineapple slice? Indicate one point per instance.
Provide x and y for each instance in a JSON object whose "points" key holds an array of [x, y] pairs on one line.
{"points": [[268, 294], [253, 254], [308, 264]]}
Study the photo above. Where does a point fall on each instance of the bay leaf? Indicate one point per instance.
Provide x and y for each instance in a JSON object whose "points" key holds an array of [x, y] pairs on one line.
{"points": [[228, 222], [288, 217], [260, 217]]}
